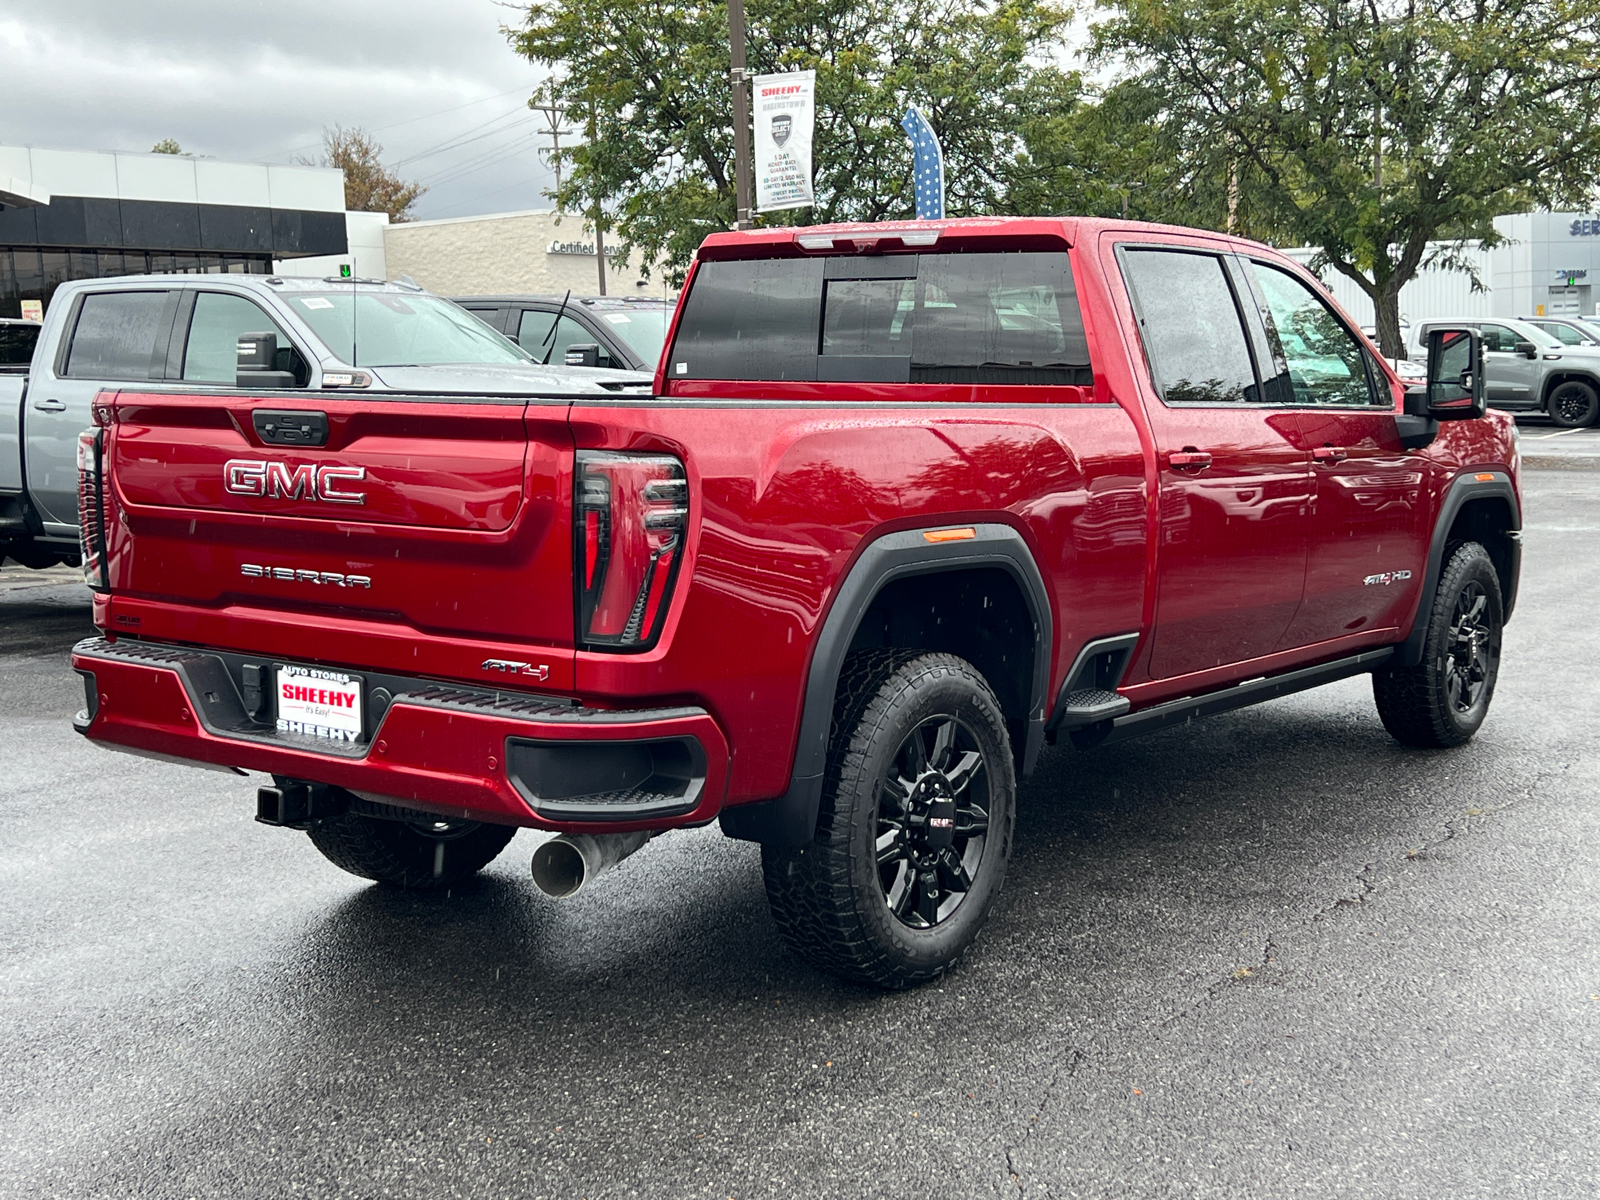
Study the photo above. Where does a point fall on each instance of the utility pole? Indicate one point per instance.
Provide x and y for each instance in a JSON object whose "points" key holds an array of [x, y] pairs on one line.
{"points": [[553, 117], [741, 115], [599, 233]]}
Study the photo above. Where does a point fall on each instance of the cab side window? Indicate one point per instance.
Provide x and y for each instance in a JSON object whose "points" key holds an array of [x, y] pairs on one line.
{"points": [[1191, 326], [1565, 334], [1499, 338], [534, 336], [1324, 360], [211, 354]]}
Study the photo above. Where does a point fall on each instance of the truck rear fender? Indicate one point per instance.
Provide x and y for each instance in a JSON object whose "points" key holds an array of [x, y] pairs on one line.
{"points": [[987, 605], [1479, 506]]}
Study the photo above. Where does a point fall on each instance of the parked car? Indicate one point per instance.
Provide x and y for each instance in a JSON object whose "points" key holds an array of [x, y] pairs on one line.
{"points": [[185, 333], [1569, 331], [605, 331], [17, 340], [1529, 370], [911, 500]]}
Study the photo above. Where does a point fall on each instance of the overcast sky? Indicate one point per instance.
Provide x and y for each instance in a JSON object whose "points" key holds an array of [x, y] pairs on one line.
{"points": [[258, 82]]}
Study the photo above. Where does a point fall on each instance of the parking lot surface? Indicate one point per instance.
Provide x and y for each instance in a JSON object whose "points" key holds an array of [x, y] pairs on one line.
{"points": [[1546, 445], [1271, 954]]}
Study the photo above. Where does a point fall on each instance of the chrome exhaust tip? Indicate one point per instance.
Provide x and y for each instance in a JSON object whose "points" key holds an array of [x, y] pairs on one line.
{"points": [[567, 864]]}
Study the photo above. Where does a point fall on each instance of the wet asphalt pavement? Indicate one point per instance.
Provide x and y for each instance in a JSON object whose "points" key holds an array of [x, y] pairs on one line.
{"points": [[1273, 954]]}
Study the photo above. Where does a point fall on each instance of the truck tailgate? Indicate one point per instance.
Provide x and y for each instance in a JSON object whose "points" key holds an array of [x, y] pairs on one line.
{"points": [[449, 519]]}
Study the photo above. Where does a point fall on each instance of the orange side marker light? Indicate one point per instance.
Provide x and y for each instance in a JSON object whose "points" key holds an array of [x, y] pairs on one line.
{"points": [[949, 535], [1484, 477]]}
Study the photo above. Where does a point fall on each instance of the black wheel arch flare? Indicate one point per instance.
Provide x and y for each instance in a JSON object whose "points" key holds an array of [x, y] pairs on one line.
{"points": [[1467, 488], [791, 819]]}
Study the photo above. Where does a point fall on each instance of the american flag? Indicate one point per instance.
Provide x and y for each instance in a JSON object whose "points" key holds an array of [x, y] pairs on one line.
{"points": [[927, 165]]}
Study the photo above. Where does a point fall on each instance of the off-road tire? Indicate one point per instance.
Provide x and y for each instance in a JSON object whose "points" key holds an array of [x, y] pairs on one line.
{"points": [[1423, 705], [1573, 404], [421, 855], [829, 898]]}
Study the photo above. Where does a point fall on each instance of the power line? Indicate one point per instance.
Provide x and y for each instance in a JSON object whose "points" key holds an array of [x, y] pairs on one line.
{"points": [[461, 139], [483, 195], [474, 165], [424, 116]]}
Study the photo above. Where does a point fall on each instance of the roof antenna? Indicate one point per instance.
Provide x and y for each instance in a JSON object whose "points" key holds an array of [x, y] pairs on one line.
{"points": [[350, 270]]}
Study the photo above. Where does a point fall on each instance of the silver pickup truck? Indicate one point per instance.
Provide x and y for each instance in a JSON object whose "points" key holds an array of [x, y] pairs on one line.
{"points": [[255, 333], [1527, 369]]}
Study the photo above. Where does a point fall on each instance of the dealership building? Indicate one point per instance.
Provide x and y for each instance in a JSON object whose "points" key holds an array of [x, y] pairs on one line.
{"points": [[538, 251], [76, 214], [1547, 266]]}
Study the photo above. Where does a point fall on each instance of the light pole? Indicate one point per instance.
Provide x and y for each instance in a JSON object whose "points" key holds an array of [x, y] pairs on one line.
{"points": [[741, 115]]}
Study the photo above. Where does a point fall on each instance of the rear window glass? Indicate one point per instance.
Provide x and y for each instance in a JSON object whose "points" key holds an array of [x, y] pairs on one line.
{"points": [[952, 318], [17, 343], [755, 319], [118, 336]]}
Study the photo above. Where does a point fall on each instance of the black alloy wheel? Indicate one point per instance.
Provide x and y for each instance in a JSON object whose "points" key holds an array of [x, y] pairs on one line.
{"points": [[914, 833], [1471, 648], [933, 822], [1573, 404], [1443, 700]]}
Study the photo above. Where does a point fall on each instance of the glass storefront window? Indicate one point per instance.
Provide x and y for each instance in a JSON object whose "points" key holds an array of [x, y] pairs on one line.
{"points": [[29, 273]]}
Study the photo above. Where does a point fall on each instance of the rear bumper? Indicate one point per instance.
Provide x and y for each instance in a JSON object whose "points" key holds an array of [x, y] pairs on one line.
{"points": [[506, 757]]}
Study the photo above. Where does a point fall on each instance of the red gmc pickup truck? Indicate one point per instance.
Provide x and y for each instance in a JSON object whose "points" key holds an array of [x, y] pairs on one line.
{"points": [[908, 501]]}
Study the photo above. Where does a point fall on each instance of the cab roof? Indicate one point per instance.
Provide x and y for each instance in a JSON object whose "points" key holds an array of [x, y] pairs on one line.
{"points": [[955, 234]]}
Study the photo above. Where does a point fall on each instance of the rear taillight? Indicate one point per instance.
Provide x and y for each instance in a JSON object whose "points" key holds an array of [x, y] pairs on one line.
{"points": [[632, 513], [91, 508]]}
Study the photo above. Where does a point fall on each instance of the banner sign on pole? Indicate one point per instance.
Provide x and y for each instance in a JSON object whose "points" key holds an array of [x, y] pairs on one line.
{"points": [[927, 161], [785, 117]]}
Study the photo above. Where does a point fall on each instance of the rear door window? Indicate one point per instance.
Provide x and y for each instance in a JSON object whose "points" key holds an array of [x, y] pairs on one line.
{"points": [[211, 354], [988, 318], [1191, 326], [120, 335]]}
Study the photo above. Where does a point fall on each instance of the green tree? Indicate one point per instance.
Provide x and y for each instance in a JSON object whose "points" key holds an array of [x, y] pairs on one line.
{"points": [[1108, 155], [1370, 128], [168, 146], [648, 82], [369, 186]]}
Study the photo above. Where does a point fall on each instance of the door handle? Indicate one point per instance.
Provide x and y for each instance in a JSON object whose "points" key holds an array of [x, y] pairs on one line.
{"points": [[1189, 459], [49, 406], [1330, 454]]}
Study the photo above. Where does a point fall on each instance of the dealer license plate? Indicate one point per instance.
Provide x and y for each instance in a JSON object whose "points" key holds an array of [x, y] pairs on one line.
{"points": [[325, 704]]}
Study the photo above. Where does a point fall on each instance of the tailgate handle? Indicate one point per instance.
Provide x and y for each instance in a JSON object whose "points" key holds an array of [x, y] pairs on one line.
{"points": [[296, 428]]}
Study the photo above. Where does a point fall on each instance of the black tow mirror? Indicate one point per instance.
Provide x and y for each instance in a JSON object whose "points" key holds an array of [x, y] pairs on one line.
{"points": [[583, 354], [1527, 350], [1455, 375], [258, 363]]}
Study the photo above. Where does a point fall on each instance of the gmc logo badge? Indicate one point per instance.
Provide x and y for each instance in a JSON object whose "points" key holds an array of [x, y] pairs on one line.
{"points": [[280, 481]]}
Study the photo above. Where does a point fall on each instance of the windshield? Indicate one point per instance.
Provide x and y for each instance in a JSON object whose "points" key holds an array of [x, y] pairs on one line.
{"points": [[644, 329], [401, 331]]}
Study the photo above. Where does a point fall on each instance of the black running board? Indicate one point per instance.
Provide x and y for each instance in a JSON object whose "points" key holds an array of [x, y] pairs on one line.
{"points": [[1241, 695]]}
